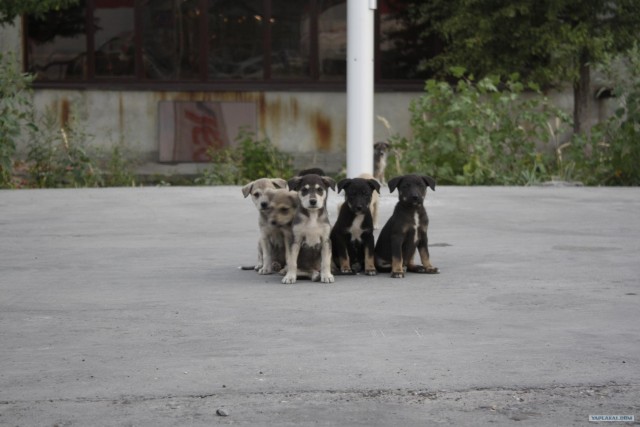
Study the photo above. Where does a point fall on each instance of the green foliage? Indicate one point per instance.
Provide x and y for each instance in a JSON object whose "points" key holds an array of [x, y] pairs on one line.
{"points": [[10, 9], [473, 133], [544, 40], [250, 159], [118, 167], [610, 153], [57, 155], [15, 109]]}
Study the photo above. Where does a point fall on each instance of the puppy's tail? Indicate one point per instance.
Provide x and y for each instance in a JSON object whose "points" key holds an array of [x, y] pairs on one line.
{"points": [[382, 266]]}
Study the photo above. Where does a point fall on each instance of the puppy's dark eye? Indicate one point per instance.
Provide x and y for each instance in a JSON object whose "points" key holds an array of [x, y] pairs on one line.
{"points": [[319, 191], [256, 194], [304, 191], [284, 210]]}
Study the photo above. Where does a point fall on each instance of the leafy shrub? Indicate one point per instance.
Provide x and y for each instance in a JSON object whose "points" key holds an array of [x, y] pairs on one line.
{"points": [[474, 133], [250, 159], [15, 109], [610, 153], [57, 156]]}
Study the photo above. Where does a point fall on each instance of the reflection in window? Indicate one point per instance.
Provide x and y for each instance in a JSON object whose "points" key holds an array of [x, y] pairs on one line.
{"points": [[236, 38], [290, 39], [171, 39], [332, 39], [56, 45], [114, 37], [403, 45]]}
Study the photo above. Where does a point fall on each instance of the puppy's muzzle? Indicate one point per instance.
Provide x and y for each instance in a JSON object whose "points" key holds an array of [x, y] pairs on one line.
{"points": [[357, 207], [313, 202], [414, 199], [264, 205]]}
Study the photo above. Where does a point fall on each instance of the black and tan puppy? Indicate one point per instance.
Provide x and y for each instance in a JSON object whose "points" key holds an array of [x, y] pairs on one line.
{"points": [[352, 235], [310, 246], [406, 230]]}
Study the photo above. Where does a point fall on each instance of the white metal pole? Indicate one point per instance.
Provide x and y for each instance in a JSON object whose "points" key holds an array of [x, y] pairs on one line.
{"points": [[360, 43]]}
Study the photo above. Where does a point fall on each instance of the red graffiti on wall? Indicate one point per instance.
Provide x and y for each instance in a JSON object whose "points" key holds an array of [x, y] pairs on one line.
{"points": [[205, 133]]}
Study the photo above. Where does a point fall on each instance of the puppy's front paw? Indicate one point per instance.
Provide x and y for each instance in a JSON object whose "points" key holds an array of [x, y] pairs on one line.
{"points": [[289, 279], [397, 275], [265, 270], [370, 272], [432, 270], [327, 278], [346, 270]]}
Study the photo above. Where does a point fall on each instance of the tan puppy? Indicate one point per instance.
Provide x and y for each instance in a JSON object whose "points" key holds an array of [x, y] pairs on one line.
{"points": [[257, 191], [277, 236]]}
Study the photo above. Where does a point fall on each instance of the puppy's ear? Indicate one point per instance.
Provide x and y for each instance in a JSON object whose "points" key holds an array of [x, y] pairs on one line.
{"points": [[343, 184], [293, 196], [385, 145], [246, 190], [394, 182], [373, 183], [429, 181], [279, 183], [294, 182], [329, 182]]}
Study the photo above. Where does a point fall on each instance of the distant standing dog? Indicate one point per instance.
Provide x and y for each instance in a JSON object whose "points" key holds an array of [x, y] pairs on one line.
{"points": [[406, 230], [310, 245], [380, 151], [352, 235], [257, 191]]}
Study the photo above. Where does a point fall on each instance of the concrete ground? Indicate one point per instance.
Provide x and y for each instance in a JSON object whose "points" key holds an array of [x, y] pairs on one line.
{"points": [[126, 307]]}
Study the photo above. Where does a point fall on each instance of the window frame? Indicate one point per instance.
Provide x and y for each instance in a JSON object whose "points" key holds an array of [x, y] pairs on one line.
{"points": [[137, 82]]}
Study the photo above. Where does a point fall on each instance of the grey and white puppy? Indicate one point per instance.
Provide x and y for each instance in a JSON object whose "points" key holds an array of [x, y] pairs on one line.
{"points": [[309, 251]]}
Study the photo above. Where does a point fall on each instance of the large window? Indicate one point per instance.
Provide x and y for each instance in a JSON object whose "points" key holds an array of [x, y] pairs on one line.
{"points": [[235, 44]]}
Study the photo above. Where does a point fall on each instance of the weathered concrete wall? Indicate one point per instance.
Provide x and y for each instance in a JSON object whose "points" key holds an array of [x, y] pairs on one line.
{"points": [[10, 38], [310, 125]]}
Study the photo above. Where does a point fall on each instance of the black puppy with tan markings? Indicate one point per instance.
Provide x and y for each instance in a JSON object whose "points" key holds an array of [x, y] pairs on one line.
{"points": [[406, 230], [310, 244], [352, 235]]}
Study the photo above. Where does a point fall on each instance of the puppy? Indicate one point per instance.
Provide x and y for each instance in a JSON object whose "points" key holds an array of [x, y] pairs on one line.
{"points": [[406, 230], [257, 191], [310, 171], [310, 244], [373, 206], [380, 150], [282, 206], [352, 235]]}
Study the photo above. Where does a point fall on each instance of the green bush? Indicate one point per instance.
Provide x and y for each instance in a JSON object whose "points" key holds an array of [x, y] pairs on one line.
{"points": [[15, 110], [57, 156], [473, 133], [610, 153], [250, 159]]}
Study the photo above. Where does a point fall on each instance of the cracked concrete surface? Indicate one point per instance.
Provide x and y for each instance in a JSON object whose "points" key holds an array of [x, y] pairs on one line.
{"points": [[126, 307]]}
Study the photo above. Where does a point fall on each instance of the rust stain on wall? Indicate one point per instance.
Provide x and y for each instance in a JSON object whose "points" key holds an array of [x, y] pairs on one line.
{"points": [[321, 125], [278, 115], [121, 115], [65, 112]]}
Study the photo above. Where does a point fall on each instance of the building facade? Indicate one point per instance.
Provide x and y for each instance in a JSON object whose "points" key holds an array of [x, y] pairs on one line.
{"points": [[170, 78]]}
